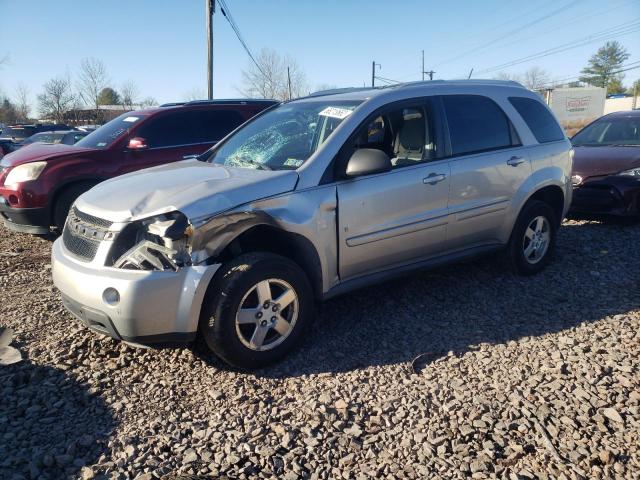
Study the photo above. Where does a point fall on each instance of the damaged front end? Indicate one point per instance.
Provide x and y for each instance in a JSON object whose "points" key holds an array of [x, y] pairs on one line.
{"points": [[162, 242], [617, 195]]}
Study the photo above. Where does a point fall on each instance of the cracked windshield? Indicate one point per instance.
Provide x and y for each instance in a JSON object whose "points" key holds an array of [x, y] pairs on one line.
{"points": [[285, 137]]}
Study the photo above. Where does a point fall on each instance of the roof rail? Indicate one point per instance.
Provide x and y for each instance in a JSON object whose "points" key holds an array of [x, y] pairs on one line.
{"points": [[230, 101], [477, 81], [334, 91]]}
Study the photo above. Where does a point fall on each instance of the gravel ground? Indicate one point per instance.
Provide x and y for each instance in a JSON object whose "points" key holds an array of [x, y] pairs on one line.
{"points": [[515, 378]]}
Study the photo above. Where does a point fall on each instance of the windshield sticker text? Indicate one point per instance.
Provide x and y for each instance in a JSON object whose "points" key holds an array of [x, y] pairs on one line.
{"points": [[335, 112]]}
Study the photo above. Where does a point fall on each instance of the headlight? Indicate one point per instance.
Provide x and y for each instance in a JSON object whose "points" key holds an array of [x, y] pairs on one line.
{"points": [[576, 180], [634, 172], [25, 172], [157, 243]]}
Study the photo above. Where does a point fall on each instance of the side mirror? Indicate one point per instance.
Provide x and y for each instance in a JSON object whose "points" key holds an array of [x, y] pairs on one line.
{"points": [[367, 161], [137, 143]]}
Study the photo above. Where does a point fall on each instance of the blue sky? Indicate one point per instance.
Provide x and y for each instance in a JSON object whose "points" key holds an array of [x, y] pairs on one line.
{"points": [[160, 44]]}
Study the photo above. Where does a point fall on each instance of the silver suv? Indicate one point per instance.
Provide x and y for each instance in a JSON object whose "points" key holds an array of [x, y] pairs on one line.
{"points": [[312, 199]]}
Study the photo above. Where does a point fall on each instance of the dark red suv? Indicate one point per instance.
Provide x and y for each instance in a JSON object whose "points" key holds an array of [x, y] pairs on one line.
{"points": [[39, 183]]}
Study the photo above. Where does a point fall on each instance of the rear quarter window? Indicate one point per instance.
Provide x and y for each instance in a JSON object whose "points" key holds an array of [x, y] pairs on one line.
{"points": [[538, 118]]}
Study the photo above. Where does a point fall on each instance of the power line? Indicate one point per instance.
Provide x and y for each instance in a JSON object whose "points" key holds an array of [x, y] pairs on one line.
{"points": [[619, 30], [510, 33], [624, 68], [226, 12]]}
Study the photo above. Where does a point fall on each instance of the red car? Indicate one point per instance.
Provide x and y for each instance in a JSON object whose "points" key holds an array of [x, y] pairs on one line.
{"points": [[606, 167], [39, 183]]}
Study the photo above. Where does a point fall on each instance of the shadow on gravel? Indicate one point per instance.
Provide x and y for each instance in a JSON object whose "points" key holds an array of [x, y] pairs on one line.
{"points": [[458, 307], [50, 425]]}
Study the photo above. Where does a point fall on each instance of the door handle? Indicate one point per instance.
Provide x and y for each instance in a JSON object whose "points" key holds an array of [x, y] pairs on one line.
{"points": [[192, 155], [515, 161], [433, 178]]}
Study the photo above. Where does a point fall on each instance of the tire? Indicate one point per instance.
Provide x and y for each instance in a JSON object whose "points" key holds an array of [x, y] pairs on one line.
{"points": [[531, 249], [64, 202], [256, 339]]}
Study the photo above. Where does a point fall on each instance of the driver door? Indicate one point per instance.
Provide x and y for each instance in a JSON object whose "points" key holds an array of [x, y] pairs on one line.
{"points": [[398, 217]]}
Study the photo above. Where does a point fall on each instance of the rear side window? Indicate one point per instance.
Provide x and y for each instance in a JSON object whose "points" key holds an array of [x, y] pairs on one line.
{"points": [[476, 124], [540, 121], [214, 125]]}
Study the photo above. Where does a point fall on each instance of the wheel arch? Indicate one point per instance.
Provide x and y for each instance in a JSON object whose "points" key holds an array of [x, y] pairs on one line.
{"points": [[265, 237], [64, 186], [553, 196]]}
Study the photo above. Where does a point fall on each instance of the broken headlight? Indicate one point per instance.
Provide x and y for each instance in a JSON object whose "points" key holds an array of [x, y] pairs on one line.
{"points": [[157, 243]]}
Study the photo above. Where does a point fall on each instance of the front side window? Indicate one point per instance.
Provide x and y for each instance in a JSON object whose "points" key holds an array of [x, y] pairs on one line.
{"points": [[476, 124], [623, 131], [110, 132], [539, 120], [403, 133], [168, 130], [283, 138]]}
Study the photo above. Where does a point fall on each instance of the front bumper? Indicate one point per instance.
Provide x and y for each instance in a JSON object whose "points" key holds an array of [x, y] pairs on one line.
{"points": [[154, 307], [25, 220], [616, 195]]}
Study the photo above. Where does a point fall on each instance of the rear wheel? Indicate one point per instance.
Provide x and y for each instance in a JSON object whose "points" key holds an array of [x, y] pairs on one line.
{"points": [[256, 309], [64, 202], [533, 238]]}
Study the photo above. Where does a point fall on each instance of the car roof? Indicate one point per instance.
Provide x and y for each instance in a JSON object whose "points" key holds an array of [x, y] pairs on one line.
{"points": [[361, 94], [197, 103], [58, 131], [623, 113]]}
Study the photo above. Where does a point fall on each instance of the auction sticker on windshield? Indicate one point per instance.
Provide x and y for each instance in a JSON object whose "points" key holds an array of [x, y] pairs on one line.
{"points": [[336, 112], [130, 119]]}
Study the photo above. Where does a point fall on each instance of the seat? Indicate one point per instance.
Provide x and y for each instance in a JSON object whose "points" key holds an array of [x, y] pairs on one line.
{"points": [[409, 143]]}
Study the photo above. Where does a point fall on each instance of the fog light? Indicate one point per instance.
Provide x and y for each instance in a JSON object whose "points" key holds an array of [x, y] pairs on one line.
{"points": [[111, 296]]}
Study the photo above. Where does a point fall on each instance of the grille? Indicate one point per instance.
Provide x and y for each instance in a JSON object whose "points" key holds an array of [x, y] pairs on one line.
{"points": [[90, 219], [83, 248]]}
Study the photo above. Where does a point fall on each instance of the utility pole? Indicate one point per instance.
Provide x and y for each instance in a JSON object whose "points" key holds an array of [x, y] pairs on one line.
{"points": [[430, 72], [289, 82], [373, 73], [211, 7]]}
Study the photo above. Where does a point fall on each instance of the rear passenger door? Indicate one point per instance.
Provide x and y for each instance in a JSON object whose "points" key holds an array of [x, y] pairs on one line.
{"points": [[488, 166]]}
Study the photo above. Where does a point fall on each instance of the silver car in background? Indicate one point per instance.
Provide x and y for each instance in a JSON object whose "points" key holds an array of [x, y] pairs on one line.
{"points": [[312, 199]]}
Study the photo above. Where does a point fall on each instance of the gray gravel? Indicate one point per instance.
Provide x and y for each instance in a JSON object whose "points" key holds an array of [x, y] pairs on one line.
{"points": [[515, 378]]}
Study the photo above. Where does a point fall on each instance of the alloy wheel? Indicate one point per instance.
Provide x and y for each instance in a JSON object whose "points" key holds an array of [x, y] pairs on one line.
{"points": [[536, 240], [267, 314]]}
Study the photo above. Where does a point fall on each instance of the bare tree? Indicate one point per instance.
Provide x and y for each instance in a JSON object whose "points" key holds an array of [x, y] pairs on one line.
{"points": [[92, 79], [194, 94], [56, 99], [149, 102], [129, 94], [270, 79], [535, 78], [22, 102], [507, 76]]}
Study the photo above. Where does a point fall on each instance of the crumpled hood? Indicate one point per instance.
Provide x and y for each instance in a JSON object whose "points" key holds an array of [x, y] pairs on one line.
{"points": [[195, 188], [40, 151], [602, 161]]}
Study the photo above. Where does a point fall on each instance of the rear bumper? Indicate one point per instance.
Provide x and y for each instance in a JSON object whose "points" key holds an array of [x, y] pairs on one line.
{"points": [[615, 195], [154, 308], [26, 220]]}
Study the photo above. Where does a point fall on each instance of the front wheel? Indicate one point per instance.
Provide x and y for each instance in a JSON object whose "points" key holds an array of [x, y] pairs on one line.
{"points": [[256, 309], [533, 238]]}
